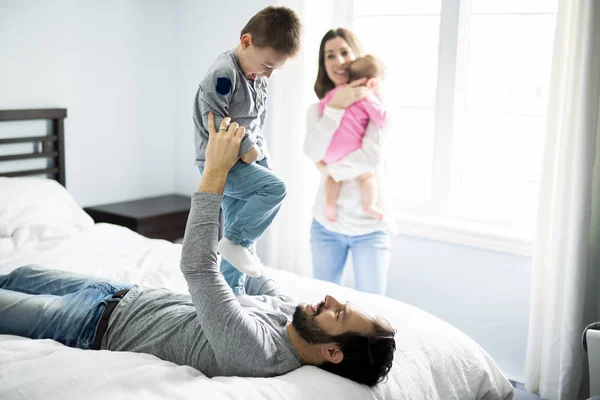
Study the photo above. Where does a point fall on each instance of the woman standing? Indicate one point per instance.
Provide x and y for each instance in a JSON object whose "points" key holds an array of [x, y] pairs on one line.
{"points": [[354, 232]]}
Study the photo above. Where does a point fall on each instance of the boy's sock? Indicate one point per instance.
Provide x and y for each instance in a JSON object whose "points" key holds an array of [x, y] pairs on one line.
{"points": [[240, 257]]}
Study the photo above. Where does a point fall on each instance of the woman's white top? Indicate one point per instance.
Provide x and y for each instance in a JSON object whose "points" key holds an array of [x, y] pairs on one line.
{"points": [[351, 219]]}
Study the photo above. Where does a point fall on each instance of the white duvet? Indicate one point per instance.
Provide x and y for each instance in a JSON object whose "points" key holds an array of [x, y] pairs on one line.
{"points": [[433, 360]]}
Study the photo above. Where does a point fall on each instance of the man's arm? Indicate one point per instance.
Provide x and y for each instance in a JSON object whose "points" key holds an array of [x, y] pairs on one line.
{"points": [[224, 322]]}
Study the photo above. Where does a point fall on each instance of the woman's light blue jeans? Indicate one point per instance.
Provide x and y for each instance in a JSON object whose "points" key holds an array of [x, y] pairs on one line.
{"points": [[42, 303], [252, 198], [370, 257]]}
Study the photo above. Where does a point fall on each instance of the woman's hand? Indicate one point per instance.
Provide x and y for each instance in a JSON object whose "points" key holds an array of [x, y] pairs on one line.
{"points": [[349, 94]]}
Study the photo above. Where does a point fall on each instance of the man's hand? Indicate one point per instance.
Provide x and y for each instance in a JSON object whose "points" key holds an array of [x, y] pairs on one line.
{"points": [[221, 153], [252, 155]]}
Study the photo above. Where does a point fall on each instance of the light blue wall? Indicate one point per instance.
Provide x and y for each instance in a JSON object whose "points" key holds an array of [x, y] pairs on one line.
{"points": [[483, 293], [111, 64]]}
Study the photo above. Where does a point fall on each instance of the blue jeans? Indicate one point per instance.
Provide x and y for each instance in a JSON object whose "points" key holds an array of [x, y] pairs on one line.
{"points": [[370, 257], [252, 198], [48, 304]]}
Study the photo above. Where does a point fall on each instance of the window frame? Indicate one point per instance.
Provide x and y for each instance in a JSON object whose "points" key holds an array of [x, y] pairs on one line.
{"points": [[433, 220]]}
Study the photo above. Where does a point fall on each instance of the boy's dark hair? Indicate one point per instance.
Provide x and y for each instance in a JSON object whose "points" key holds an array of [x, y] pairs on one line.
{"points": [[276, 27], [366, 66], [367, 358]]}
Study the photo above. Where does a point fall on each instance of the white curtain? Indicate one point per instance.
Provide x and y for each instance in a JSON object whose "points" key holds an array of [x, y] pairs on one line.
{"points": [[286, 244], [565, 293]]}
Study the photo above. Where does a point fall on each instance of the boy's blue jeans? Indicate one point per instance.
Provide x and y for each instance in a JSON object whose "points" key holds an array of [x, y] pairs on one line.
{"points": [[48, 304], [251, 199]]}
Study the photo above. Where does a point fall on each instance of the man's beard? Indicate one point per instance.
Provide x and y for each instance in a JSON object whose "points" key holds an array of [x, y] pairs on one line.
{"points": [[308, 328]]}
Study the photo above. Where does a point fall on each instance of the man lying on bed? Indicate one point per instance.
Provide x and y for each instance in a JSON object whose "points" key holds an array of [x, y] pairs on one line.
{"points": [[212, 331]]}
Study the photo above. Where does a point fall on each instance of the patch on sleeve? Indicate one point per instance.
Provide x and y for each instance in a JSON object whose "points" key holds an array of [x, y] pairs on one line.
{"points": [[223, 85]]}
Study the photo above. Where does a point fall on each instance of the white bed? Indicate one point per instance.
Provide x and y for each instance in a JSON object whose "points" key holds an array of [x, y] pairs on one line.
{"points": [[40, 224]]}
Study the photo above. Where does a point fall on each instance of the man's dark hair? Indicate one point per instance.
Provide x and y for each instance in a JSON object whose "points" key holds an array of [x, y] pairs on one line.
{"points": [[276, 27], [367, 357]]}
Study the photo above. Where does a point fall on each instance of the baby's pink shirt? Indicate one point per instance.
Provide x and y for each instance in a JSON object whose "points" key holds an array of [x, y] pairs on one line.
{"points": [[353, 125]]}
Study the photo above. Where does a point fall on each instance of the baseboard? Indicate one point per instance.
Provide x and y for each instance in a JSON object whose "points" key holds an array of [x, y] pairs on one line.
{"points": [[517, 385]]}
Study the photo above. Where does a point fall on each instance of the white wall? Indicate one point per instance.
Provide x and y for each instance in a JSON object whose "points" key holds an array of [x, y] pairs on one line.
{"points": [[111, 64]]}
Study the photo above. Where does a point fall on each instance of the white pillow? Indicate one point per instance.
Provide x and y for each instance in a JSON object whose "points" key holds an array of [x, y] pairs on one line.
{"points": [[36, 204]]}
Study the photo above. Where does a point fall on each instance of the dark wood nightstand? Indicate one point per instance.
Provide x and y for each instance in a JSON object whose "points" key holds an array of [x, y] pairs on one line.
{"points": [[162, 217]]}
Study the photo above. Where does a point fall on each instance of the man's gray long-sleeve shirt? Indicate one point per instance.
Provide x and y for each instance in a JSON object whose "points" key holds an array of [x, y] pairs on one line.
{"points": [[226, 92], [209, 330]]}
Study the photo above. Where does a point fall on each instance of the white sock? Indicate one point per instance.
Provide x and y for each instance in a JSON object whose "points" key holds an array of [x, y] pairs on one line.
{"points": [[240, 257]]}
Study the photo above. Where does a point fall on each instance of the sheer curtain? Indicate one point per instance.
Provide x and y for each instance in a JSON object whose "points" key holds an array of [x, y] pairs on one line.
{"points": [[286, 243], [565, 293]]}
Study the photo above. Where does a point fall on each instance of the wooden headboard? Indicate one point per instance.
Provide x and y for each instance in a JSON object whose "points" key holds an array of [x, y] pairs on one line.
{"points": [[49, 146]]}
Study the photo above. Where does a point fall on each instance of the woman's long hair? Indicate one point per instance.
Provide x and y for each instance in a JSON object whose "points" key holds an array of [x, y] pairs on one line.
{"points": [[323, 84]]}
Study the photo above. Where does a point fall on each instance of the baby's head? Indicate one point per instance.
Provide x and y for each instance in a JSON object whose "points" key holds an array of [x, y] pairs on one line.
{"points": [[368, 67]]}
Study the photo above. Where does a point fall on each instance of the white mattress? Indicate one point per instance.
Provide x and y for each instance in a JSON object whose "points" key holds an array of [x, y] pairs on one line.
{"points": [[433, 360]]}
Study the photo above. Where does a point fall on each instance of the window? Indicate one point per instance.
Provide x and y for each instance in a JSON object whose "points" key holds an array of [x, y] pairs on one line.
{"points": [[466, 88]]}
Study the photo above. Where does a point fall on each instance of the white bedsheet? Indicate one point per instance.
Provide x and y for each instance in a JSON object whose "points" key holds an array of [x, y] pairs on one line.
{"points": [[433, 360]]}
